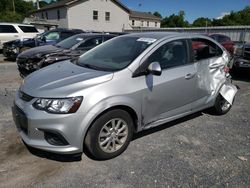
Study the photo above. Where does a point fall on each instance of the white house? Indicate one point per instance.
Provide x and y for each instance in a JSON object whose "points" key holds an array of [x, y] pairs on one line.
{"points": [[144, 19], [95, 15]]}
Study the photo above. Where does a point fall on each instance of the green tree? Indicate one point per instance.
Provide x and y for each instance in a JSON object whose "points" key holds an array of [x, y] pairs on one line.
{"points": [[202, 22], [10, 16], [43, 3], [22, 9], [175, 20], [241, 17], [157, 14]]}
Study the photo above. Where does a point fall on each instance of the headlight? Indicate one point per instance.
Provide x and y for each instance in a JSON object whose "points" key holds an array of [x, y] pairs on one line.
{"points": [[58, 106], [50, 59]]}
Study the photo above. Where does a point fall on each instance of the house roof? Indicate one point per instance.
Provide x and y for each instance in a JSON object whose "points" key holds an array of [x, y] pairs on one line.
{"points": [[144, 15], [64, 3], [133, 14]]}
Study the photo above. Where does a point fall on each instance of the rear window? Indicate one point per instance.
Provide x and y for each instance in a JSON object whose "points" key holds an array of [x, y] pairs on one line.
{"points": [[7, 29], [28, 29]]}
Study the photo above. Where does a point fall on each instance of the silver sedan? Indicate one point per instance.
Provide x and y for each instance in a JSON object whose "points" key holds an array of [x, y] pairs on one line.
{"points": [[125, 85]]}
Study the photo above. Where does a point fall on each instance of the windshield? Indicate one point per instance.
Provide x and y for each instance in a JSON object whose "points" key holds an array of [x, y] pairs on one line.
{"points": [[70, 42], [115, 54]]}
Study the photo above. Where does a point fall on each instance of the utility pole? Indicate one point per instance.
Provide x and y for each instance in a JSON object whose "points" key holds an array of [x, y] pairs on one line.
{"points": [[13, 4], [206, 26], [37, 4]]}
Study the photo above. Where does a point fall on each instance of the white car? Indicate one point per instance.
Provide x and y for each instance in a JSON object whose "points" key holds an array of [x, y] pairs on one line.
{"points": [[11, 31]]}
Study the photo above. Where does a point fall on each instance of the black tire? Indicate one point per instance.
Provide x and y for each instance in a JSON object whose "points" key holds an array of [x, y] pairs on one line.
{"points": [[92, 139], [218, 106]]}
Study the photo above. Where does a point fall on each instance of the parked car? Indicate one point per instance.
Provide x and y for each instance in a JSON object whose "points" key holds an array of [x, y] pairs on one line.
{"points": [[128, 84], [11, 31], [242, 59], [11, 49], [225, 41], [72, 47]]}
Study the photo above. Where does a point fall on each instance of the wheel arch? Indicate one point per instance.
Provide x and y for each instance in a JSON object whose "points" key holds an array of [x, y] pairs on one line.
{"points": [[126, 108]]}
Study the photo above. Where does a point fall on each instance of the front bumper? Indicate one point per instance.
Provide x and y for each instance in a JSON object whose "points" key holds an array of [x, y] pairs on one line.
{"points": [[10, 52], [27, 65], [32, 125]]}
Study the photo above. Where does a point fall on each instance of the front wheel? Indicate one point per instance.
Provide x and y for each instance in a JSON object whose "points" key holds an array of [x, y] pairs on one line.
{"points": [[110, 134], [221, 106]]}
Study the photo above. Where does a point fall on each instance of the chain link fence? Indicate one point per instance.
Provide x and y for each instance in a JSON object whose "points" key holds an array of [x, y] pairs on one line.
{"points": [[238, 34]]}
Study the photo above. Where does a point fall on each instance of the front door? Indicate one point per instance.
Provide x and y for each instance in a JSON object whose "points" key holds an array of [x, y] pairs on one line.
{"points": [[172, 92]]}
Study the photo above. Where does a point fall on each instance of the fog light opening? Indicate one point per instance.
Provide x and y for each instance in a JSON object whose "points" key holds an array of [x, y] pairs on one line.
{"points": [[54, 138]]}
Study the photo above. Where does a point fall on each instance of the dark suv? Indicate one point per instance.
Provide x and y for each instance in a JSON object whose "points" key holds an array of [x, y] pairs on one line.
{"points": [[11, 49], [70, 48], [242, 59]]}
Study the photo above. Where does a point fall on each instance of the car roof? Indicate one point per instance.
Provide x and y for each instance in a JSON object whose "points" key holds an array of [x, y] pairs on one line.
{"points": [[166, 35], [16, 24], [68, 30], [85, 35]]}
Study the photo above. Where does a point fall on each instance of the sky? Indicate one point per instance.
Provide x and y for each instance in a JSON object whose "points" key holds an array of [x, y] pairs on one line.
{"points": [[193, 8]]}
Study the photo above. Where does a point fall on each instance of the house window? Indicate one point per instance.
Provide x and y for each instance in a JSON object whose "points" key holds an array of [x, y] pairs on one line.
{"points": [[46, 15], [155, 24], [42, 15], [147, 23], [95, 15], [142, 23], [107, 16], [133, 22], [58, 15]]}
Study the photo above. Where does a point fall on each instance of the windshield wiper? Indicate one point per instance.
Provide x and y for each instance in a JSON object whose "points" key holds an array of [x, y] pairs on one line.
{"points": [[96, 67], [91, 66]]}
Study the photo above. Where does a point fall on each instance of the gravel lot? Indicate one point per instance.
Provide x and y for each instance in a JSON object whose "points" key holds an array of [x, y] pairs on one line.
{"points": [[200, 150]]}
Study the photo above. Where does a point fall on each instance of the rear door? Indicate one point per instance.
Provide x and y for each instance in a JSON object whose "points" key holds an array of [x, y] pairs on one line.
{"points": [[28, 31], [172, 93], [209, 62], [8, 33]]}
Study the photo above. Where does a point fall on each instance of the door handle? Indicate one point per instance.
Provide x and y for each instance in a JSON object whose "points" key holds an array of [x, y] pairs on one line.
{"points": [[189, 76]]}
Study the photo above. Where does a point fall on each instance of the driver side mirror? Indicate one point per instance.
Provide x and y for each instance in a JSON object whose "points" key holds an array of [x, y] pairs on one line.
{"points": [[154, 68]]}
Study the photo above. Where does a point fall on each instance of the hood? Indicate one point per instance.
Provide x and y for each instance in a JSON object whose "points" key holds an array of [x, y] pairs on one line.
{"points": [[42, 50], [62, 80]]}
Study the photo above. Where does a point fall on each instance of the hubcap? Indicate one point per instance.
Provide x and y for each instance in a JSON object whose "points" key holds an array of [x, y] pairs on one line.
{"points": [[225, 105], [113, 135]]}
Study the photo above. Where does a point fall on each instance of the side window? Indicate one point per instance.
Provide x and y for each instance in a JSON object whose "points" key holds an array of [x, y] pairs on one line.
{"points": [[7, 29], [90, 43], [95, 15], [28, 29], [204, 49], [171, 54], [52, 36]]}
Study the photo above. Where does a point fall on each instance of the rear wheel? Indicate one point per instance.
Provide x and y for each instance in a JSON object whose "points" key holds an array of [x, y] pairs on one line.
{"points": [[110, 134], [221, 106]]}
